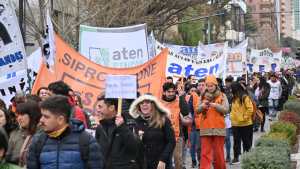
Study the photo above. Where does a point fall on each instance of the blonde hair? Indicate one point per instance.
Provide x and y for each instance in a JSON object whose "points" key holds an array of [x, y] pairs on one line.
{"points": [[157, 119]]}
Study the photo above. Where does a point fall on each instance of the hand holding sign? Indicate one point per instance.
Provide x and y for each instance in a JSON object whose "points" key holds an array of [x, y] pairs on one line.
{"points": [[121, 86]]}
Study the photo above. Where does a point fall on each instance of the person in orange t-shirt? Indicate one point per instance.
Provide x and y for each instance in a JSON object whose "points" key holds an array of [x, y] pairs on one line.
{"points": [[212, 125]]}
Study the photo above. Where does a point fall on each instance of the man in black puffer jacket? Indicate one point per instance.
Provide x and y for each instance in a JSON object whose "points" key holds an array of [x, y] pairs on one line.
{"points": [[119, 145]]}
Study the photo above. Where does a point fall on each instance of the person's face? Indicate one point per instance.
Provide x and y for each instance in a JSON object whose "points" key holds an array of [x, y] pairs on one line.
{"points": [[193, 89], [23, 120], [72, 94], [211, 87], [228, 84], [2, 118], [44, 94], [201, 87], [146, 107], [169, 81], [76, 99], [193, 80], [170, 93], [273, 79], [51, 122], [105, 111]]}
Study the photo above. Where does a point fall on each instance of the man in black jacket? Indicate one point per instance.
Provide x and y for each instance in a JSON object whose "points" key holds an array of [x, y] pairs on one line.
{"points": [[119, 145]]}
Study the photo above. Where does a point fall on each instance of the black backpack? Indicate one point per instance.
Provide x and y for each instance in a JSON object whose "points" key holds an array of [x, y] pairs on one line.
{"points": [[84, 139]]}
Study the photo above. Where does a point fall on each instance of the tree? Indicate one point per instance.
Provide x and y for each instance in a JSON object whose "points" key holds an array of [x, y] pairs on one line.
{"points": [[69, 14]]}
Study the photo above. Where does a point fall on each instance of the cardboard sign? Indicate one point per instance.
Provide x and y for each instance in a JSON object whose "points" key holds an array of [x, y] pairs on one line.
{"points": [[87, 78], [121, 86]]}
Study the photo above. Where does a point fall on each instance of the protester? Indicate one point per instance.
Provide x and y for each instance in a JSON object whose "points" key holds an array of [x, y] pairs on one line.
{"points": [[61, 88], [63, 143], [274, 96], [32, 98], [228, 93], [2, 105], [43, 93], [178, 107], [3, 149], [194, 137], [169, 79], [241, 120], [118, 144], [155, 131], [262, 94], [213, 106], [201, 87], [28, 116]]}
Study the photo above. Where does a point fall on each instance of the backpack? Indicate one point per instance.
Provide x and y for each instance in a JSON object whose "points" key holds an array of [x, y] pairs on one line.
{"points": [[84, 139], [257, 115]]}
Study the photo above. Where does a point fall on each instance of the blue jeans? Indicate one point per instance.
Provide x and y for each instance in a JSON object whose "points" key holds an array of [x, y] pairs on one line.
{"points": [[273, 107], [195, 145], [228, 142]]}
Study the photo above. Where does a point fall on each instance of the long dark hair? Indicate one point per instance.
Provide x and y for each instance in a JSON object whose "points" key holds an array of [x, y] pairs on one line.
{"points": [[238, 92], [32, 109], [262, 83], [10, 125]]}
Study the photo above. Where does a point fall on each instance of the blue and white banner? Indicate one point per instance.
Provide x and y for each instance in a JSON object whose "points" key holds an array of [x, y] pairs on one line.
{"points": [[12, 83], [12, 51], [264, 61], [180, 65]]}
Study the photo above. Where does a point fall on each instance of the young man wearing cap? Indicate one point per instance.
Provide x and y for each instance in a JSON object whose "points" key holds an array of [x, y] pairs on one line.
{"points": [[212, 108]]}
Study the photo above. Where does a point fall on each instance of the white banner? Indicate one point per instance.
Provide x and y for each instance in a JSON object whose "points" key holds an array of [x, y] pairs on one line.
{"points": [[49, 47], [114, 47], [180, 65], [197, 52], [12, 51], [264, 61], [12, 83], [236, 60]]}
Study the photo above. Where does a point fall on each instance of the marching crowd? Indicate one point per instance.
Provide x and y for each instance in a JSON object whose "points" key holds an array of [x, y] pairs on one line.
{"points": [[192, 117]]}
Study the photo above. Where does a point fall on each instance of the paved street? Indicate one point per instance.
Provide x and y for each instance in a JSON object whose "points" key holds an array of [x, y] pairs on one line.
{"points": [[256, 136]]}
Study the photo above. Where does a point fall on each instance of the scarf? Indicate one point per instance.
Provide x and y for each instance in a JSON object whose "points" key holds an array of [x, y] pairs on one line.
{"points": [[57, 133]]}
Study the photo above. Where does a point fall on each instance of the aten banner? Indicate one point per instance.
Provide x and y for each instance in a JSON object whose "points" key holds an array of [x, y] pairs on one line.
{"points": [[87, 78], [12, 52], [181, 65], [114, 47]]}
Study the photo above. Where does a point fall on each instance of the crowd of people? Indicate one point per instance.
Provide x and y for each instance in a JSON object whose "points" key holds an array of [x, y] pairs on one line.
{"points": [[192, 117]]}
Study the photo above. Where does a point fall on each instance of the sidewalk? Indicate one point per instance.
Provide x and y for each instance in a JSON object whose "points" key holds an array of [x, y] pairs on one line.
{"points": [[256, 135]]}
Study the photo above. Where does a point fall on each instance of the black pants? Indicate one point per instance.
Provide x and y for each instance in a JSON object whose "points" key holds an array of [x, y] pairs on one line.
{"points": [[264, 110], [242, 134]]}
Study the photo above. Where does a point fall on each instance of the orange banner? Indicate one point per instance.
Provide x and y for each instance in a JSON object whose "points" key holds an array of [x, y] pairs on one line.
{"points": [[88, 79]]}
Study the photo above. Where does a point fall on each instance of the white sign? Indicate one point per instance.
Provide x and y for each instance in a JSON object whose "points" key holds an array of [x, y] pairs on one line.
{"points": [[236, 60], [264, 61], [121, 86], [181, 65], [114, 47], [12, 83], [34, 60], [12, 51]]}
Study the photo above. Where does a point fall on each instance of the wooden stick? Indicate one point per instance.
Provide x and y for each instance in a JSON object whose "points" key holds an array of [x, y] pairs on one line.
{"points": [[119, 106]]}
